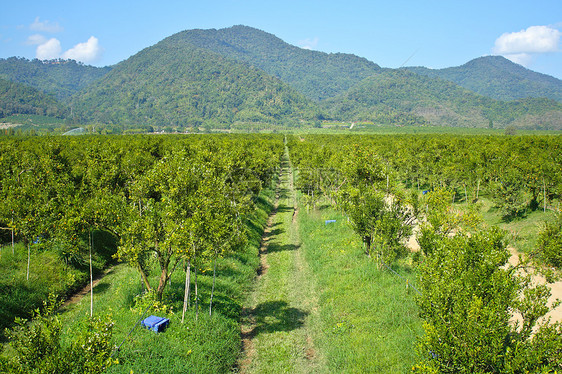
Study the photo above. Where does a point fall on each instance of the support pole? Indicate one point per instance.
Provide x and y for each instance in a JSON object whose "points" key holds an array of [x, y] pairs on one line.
{"points": [[91, 278]]}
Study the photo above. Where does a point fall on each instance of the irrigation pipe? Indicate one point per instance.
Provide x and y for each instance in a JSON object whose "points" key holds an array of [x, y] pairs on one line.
{"points": [[406, 279], [131, 331]]}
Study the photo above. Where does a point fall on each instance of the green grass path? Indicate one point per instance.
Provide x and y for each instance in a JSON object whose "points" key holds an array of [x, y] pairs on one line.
{"points": [[280, 320]]}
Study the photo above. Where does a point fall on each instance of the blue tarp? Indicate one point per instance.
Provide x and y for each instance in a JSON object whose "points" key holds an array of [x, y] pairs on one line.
{"points": [[329, 221], [157, 324]]}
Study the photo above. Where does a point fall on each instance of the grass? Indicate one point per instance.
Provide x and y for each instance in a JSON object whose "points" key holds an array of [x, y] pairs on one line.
{"points": [[210, 344], [48, 273], [369, 318], [522, 231], [322, 306], [280, 325]]}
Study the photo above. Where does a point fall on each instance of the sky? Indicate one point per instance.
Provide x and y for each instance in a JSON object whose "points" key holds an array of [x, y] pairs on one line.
{"points": [[431, 33]]}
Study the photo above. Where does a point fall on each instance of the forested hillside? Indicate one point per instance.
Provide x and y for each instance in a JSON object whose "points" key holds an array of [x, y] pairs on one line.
{"points": [[16, 98], [317, 75], [498, 78], [244, 78], [174, 83], [61, 78], [403, 97]]}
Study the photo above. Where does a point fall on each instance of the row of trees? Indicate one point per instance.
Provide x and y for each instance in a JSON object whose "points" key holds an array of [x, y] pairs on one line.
{"points": [[168, 199], [518, 173], [480, 314]]}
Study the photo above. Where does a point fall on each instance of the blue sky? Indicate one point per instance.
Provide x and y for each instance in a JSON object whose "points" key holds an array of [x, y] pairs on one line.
{"points": [[428, 33]]}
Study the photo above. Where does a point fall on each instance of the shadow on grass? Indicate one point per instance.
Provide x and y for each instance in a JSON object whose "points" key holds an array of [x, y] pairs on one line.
{"points": [[273, 316], [285, 208], [101, 288], [274, 247]]}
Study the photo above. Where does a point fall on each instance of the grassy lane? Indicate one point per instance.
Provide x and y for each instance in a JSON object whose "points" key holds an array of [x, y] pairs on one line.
{"points": [[369, 317], [280, 323]]}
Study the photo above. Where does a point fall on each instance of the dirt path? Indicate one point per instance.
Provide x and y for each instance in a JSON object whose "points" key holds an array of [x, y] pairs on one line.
{"points": [[277, 333], [555, 288], [86, 290]]}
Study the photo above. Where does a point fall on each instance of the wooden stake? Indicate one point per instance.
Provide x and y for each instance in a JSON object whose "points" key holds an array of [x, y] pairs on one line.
{"points": [[28, 259], [91, 278], [196, 296], [213, 289], [187, 289]]}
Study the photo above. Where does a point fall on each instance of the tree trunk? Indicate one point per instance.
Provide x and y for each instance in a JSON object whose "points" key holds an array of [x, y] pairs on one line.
{"points": [[544, 195], [187, 289], [465, 195], [162, 283], [367, 242], [477, 189], [213, 288], [144, 278]]}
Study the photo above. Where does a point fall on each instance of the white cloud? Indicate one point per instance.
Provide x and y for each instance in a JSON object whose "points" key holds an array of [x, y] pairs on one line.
{"points": [[524, 59], [35, 39], [535, 39], [87, 52], [45, 26], [49, 50], [309, 43], [520, 47]]}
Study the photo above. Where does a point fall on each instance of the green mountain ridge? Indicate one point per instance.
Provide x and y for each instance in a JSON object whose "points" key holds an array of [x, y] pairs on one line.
{"points": [[317, 75], [174, 83], [401, 96], [498, 78], [62, 78], [241, 77], [17, 98]]}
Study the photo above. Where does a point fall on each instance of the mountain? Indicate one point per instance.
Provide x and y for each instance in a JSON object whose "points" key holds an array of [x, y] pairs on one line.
{"points": [[498, 78], [175, 83], [404, 97], [62, 78], [317, 75], [241, 77], [17, 98]]}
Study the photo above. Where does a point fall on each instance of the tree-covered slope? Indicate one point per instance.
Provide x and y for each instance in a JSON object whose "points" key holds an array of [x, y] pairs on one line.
{"points": [[317, 75], [16, 98], [174, 83], [404, 97], [498, 78], [61, 78]]}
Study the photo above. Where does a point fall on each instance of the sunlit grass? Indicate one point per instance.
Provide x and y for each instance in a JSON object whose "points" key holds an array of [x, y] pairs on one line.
{"points": [[208, 344], [369, 317]]}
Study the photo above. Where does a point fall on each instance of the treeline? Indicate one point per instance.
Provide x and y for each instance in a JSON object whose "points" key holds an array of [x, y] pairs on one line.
{"points": [[519, 173]]}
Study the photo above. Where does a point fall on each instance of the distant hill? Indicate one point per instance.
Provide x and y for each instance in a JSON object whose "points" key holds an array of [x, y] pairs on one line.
{"points": [[16, 98], [406, 98], [174, 83], [317, 75], [62, 78], [498, 78], [245, 78]]}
